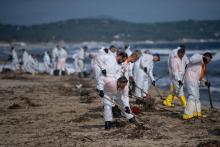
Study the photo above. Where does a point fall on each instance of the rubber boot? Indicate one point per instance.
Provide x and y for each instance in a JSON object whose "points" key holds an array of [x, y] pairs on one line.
{"points": [[169, 100], [107, 125], [197, 114], [133, 121], [187, 116], [138, 101], [183, 101]]}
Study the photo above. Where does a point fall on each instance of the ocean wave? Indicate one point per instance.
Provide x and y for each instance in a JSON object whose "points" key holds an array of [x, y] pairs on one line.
{"points": [[167, 51]]}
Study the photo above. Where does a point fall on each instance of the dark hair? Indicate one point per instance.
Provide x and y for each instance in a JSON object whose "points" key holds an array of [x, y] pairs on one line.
{"points": [[208, 54], [122, 79], [122, 54], [181, 51], [126, 46], [112, 46], [156, 54], [85, 47], [182, 46]]}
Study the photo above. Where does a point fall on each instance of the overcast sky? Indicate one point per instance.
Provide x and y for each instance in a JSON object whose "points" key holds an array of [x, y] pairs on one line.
{"points": [[29, 12]]}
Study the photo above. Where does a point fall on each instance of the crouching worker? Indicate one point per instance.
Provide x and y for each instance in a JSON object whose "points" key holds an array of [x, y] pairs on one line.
{"points": [[111, 87], [194, 77]]}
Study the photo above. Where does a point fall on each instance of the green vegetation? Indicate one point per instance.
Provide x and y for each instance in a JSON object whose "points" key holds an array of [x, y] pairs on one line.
{"points": [[110, 29]]}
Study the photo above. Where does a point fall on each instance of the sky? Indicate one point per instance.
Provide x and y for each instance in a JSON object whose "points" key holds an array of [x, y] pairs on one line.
{"points": [[29, 12]]}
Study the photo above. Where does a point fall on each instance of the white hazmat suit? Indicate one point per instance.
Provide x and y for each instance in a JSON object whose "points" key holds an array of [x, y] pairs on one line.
{"points": [[54, 57], [47, 63], [176, 67], [142, 78], [15, 62], [109, 85], [62, 55], [192, 80]]}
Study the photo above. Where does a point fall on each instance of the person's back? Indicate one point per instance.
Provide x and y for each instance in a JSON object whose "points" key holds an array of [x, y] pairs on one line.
{"points": [[194, 77], [194, 69], [63, 53]]}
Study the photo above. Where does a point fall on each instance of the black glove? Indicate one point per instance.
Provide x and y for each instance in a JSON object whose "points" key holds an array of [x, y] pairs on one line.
{"points": [[186, 66], [153, 83], [208, 84], [145, 69], [205, 60], [180, 83], [127, 110], [106, 50], [101, 93], [104, 72]]}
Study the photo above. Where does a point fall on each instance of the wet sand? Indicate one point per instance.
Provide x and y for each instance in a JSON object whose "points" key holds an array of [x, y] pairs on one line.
{"points": [[42, 110]]}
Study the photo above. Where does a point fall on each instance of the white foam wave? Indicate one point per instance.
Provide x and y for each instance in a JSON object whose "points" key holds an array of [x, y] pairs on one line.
{"points": [[188, 52]]}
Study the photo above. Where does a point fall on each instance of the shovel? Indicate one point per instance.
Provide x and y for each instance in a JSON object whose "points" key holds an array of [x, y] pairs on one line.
{"points": [[209, 91]]}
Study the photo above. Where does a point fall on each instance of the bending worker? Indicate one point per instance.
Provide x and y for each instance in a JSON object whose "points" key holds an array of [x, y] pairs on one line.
{"points": [[112, 87], [194, 75]]}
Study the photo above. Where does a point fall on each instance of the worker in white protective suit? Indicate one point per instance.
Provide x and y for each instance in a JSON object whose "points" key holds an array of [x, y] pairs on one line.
{"points": [[55, 57], [98, 63], [32, 65], [47, 63], [177, 63], [111, 87], [194, 77], [143, 74], [127, 70], [15, 62], [111, 66], [61, 64], [127, 66], [79, 60], [113, 50], [127, 50], [25, 58]]}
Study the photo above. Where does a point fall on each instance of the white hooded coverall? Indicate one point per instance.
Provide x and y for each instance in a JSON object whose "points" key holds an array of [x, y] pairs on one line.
{"points": [[54, 57], [140, 77], [176, 68], [109, 85], [62, 55], [25, 58], [15, 62], [79, 60], [47, 62], [98, 64], [192, 84]]}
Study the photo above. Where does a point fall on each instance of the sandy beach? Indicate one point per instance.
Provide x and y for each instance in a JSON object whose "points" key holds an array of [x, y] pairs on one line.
{"points": [[42, 110]]}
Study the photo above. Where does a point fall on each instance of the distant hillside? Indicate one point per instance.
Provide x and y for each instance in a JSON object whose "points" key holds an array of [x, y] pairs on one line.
{"points": [[110, 29]]}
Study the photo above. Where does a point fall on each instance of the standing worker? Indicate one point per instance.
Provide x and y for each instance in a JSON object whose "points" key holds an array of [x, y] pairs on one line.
{"points": [[15, 62], [177, 63], [47, 64], [55, 57], [61, 65], [79, 60]]}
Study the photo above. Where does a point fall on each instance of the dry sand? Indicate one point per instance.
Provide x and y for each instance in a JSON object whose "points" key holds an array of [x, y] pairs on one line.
{"points": [[44, 110]]}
